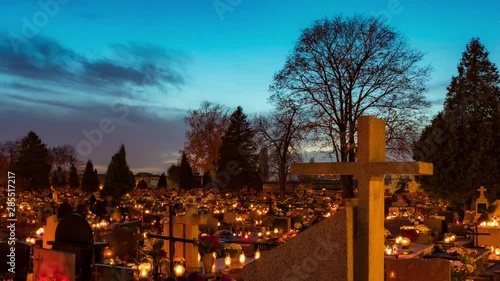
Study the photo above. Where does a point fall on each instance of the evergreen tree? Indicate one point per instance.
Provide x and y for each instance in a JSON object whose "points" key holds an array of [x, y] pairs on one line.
{"points": [[58, 178], [119, 178], [74, 182], [196, 182], [97, 182], [460, 142], [173, 176], [33, 164], [142, 184], [238, 155], [162, 182], [89, 183], [207, 179], [185, 173]]}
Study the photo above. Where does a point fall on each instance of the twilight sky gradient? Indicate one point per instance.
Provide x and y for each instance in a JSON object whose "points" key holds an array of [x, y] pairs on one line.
{"points": [[138, 66]]}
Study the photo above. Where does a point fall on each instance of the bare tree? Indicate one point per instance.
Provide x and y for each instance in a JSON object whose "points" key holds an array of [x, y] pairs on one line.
{"points": [[282, 132], [206, 126], [64, 156], [344, 68], [10, 151]]}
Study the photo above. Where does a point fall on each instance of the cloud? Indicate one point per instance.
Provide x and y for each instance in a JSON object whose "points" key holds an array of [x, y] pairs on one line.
{"points": [[45, 59], [60, 94]]}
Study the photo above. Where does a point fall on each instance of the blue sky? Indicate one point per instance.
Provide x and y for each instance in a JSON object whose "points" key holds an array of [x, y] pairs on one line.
{"points": [[140, 65]]}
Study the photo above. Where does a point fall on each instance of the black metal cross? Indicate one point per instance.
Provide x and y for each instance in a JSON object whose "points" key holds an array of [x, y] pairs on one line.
{"points": [[170, 239]]}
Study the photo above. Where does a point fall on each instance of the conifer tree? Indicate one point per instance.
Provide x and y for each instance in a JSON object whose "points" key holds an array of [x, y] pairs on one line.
{"points": [[33, 164], [162, 182], [119, 178], [74, 182], [461, 140], [185, 173], [238, 161], [89, 183]]}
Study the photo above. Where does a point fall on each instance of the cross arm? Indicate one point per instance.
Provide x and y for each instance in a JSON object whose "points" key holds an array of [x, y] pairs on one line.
{"points": [[356, 168]]}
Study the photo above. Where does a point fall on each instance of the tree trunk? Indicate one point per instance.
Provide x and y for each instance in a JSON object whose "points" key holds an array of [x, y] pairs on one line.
{"points": [[282, 179]]}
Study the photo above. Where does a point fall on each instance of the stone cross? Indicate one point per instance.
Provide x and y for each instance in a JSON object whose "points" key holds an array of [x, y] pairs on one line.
{"points": [[481, 191], [367, 259], [482, 202]]}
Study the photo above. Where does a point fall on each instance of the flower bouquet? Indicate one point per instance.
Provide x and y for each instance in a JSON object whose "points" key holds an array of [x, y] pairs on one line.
{"points": [[233, 250], [469, 263], [208, 246]]}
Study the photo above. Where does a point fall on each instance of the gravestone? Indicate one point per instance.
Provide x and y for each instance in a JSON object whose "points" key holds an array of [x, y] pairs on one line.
{"points": [[417, 269], [135, 226], [208, 222], [283, 224], [496, 212], [437, 224], [74, 235], [482, 203], [319, 253], [22, 259], [49, 231], [53, 265], [394, 211], [105, 272], [369, 171], [123, 242], [394, 225], [184, 227]]}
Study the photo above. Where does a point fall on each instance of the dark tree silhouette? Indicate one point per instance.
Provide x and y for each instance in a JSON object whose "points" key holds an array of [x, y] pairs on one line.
{"points": [[344, 68], [89, 183], [462, 141], [238, 161], [119, 178], [162, 182], [33, 163], [74, 182], [185, 173]]}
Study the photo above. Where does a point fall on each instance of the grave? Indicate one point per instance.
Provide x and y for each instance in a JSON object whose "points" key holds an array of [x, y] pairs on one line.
{"points": [[496, 213], [319, 253], [439, 225], [362, 257], [282, 223], [105, 272], [482, 203], [49, 231], [184, 227], [74, 235], [53, 265], [394, 225], [22, 256], [122, 242], [417, 269]]}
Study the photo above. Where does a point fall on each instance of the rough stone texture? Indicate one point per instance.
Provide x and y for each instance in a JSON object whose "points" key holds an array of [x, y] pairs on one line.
{"points": [[418, 270], [369, 170], [319, 253]]}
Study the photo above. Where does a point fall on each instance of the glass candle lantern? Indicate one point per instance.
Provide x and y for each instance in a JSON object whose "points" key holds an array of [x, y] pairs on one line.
{"points": [[179, 270], [242, 258], [257, 254]]}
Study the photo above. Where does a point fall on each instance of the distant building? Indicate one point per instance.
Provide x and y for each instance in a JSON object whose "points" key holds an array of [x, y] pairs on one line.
{"points": [[313, 184], [150, 179]]}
